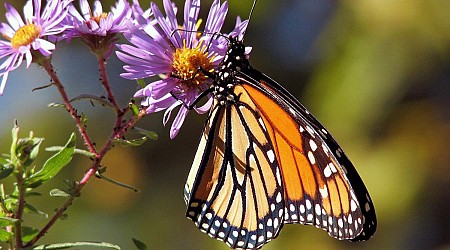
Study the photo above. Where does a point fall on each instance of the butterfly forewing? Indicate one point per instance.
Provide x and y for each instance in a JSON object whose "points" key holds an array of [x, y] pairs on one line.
{"points": [[316, 190]]}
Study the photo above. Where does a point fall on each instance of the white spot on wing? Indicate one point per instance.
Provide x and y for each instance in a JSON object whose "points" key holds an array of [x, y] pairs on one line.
{"points": [[367, 207], [327, 171], [278, 176], [275, 223], [278, 199], [311, 157], [310, 131], [302, 209], [292, 208], [338, 152], [318, 209], [271, 155], [261, 122], [308, 204], [313, 145], [353, 205], [324, 191], [291, 110], [341, 223]]}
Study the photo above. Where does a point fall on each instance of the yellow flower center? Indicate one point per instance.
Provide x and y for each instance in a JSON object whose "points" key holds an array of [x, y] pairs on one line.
{"points": [[25, 35], [97, 19], [188, 64]]}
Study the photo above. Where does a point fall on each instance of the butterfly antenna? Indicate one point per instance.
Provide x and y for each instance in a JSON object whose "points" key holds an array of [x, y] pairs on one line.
{"points": [[250, 15]]}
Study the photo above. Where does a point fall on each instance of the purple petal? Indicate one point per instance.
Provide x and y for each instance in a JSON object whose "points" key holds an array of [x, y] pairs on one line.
{"points": [[3, 83], [216, 17], [169, 110], [191, 10], [178, 122], [13, 17], [205, 108]]}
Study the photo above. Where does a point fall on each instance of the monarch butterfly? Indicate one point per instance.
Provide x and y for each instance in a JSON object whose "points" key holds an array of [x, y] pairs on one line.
{"points": [[264, 161]]}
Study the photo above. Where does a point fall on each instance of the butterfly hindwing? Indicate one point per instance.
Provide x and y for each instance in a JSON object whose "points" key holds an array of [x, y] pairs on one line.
{"points": [[233, 192]]}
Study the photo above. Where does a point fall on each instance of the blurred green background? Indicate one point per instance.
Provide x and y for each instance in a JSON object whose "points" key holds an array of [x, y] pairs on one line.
{"points": [[375, 73]]}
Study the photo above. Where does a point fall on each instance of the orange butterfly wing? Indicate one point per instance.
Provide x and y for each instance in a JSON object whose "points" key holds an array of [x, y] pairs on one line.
{"points": [[316, 189], [265, 161]]}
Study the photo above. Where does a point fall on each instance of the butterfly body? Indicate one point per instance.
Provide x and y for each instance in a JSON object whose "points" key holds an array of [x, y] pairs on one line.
{"points": [[265, 161]]}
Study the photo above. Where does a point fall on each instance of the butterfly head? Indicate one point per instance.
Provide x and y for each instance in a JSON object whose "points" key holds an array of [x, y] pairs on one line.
{"points": [[235, 58], [234, 63]]}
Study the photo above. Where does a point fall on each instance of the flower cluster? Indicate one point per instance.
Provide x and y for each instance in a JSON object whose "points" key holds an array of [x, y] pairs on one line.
{"points": [[23, 38], [162, 47], [34, 35], [182, 56], [98, 29]]}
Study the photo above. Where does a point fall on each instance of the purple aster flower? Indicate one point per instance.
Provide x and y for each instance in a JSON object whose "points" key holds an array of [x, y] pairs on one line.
{"points": [[161, 47], [25, 38], [98, 28]]}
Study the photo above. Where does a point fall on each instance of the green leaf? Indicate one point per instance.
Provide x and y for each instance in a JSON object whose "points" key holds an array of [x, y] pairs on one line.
{"points": [[15, 137], [53, 104], [139, 244], [4, 159], [131, 143], [53, 165], [77, 151], [76, 244], [102, 100], [150, 134], [102, 170], [6, 221], [42, 87], [134, 108], [6, 170], [32, 210], [72, 186], [58, 193], [5, 235], [32, 194], [24, 150], [28, 233]]}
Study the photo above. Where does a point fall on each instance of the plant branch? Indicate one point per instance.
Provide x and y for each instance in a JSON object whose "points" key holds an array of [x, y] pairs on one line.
{"points": [[55, 81], [20, 208], [119, 130], [105, 82]]}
